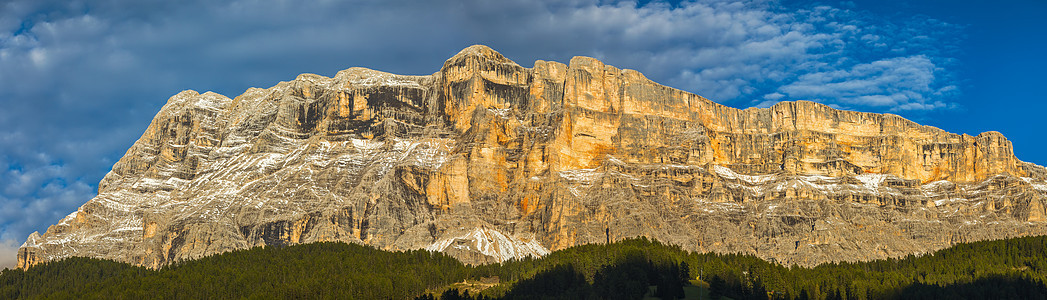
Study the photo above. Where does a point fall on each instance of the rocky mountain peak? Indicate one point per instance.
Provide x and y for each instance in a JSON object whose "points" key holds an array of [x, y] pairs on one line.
{"points": [[487, 161], [479, 53]]}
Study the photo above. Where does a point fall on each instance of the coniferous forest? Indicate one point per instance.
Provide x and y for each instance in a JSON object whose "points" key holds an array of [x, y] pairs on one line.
{"points": [[628, 269]]}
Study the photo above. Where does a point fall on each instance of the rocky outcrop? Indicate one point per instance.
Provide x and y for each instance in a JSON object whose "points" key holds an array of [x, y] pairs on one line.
{"points": [[487, 161]]}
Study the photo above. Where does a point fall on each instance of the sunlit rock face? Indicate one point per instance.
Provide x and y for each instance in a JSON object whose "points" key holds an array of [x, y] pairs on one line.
{"points": [[487, 161]]}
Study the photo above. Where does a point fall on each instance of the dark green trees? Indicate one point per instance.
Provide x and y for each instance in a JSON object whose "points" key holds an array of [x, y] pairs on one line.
{"points": [[628, 269]]}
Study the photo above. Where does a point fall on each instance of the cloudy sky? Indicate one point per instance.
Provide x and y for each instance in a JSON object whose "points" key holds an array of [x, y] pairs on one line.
{"points": [[80, 80]]}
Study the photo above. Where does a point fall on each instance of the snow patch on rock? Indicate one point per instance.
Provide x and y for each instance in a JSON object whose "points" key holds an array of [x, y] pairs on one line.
{"points": [[492, 243]]}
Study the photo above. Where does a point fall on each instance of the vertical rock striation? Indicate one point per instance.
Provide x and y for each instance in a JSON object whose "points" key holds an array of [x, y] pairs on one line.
{"points": [[488, 161]]}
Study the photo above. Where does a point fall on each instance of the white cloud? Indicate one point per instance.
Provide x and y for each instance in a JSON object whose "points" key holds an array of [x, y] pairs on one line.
{"points": [[901, 83], [32, 198], [9, 253]]}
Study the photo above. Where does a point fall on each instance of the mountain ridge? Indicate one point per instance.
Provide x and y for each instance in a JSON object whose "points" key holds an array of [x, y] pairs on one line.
{"points": [[555, 155]]}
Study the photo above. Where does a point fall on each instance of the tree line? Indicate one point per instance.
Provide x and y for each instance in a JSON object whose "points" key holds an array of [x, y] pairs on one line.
{"points": [[629, 269]]}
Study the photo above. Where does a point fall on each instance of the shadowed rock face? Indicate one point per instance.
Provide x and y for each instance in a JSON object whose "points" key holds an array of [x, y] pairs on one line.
{"points": [[487, 161]]}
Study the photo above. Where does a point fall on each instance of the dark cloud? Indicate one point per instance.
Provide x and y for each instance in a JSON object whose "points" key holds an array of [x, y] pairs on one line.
{"points": [[80, 80]]}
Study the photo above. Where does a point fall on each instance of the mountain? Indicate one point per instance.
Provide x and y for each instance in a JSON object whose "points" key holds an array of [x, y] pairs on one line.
{"points": [[486, 161]]}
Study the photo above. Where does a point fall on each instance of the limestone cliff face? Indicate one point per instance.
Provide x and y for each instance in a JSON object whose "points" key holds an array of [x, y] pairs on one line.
{"points": [[487, 161]]}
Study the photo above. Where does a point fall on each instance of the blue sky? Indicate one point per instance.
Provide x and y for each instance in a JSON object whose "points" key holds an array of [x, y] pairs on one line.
{"points": [[80, 80]]}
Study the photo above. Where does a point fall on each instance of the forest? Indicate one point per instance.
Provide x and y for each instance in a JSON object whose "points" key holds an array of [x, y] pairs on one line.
{"points": [[628, 269]]}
